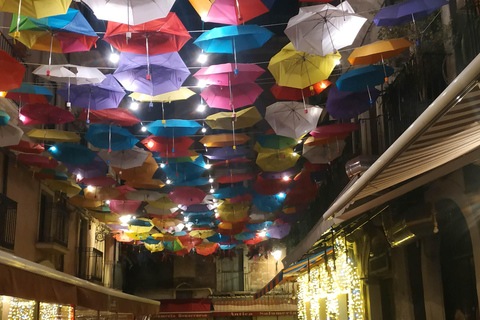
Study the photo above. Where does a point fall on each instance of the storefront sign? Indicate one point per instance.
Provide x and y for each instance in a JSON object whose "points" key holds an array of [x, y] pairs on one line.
{"points": [[223, 314]]}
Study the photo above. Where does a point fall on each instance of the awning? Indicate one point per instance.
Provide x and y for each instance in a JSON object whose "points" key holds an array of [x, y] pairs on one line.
{"points": [[448, 129], [24, 279]]}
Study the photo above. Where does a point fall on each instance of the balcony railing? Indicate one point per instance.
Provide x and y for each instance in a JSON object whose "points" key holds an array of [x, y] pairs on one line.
{"points": [[54, 222], [8, 222], [91, 264]]}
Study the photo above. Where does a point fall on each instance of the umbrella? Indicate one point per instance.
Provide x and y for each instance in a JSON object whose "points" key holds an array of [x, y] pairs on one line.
{"points": [[324, 29], [158, 247], [30, 94], [166, 223], [230, 192], [378, 51], [234, 178], [207, 248], [31, 8], [334, 130], [152, 75], [125, 159], [189, 242], [225, 153], [233, 97], [173, 128], [244, 118], [123, 237], [64, 186], [130, 12], [228, 246], [282, 175], [233, 212], [163, 203], [99, 181], [187, 195], [10, 135], [346, 105], [158, 36], [75, 154], [364, 78], [297, 69], [304, 190], [244, 236], [160, 211], [143, 195], [44, 113], [4, 118], [223, 140], [324, 153], [167, 145], [93, 169], [53, 135], [230, 162], [278, 230], [288, 93], [124, 206], [110, 137], [218, 238], [116, 116], [268, 203], [140, 225], [255, 240], [259, 226], [141, 236], [101, 193], [270, 186], [70, 73], [406, 11], [12, 72], [143, 171], [85, 203], [145, 183], [27, 147], [292, 119], [224, 74], [37, 161], [232, 12], [50, 174], [181, 94], [173, 246], [273, 141], [185, 171], [277, 161]]}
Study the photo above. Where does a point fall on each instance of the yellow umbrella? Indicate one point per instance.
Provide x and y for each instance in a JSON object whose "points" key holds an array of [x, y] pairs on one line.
{"points": [[244, 118], [224, 140], [163, 203], [232, 212], [202, 234], [297, 69], [166, 223], [202, 7], [277, 161], [101, 193], [36, 9], [105, 217], [85, 203], [137, 235], [154, 247], [163, 237], [180, 94], [65, 186], [378, 51], [53, 135], [145, 171], [146, 226]]}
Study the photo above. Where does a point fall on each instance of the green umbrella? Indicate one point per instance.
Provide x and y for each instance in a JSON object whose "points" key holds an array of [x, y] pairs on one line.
{"points": [[273, 141], [173, 246]]}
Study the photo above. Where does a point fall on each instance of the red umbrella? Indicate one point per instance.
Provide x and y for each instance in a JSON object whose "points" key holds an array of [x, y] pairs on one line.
{"points": [[234, 12], [226, 163], [314, 167], [304, 190], [124, 206], [287, 93], [114, 116], [237, 96], [206, 249], [37, 161], [183, 251], [11, 74], [233, 178], [167, 145], [236, 228], [224, 74], [255, 240], [334, 130], [44, 113], [270, 187], [187, 195], [27, 147], [243, 198], [99, 181], [154, 37], [189, 242]]}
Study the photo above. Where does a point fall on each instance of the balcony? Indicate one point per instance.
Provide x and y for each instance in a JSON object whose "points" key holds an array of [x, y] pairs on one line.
{"points": [[91, 265], [54, 224], [8, 221]]}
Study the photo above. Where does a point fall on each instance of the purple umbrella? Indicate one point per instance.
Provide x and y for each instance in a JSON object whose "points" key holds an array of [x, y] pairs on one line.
{"points": [[406, 11], [349, 104], [278, 230], [96, 168], [151, 75], [225, 153], [278, 175]]}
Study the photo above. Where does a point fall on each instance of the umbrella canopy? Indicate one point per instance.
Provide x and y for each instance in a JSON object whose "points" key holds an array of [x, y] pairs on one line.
{"points": [[244, 118], [4, 118], [30, 94], [224, 74], [232, 212], [152, 75], [167, 146], [10, 135], [145, 171], [50, 174], [151, 210], [364, 78], [44, 113], [334, 130], [140, 225], [173, 128], [104, 95], [110, 137], [346, 105], [277, 161], [225, 153], [324, 153], [185, 171], [27, 147], [166, 223], [207, 248], [37, 161], [65, 186], [64, 33], [232, 12], [231, 98], [288, 93], [201, 234], [224, 140], [259, 226], [145, 183], [93, 169], [99, 181], [130, 12], [173, 246], [180, 94], [53, 135], [85, 203], [70, 73], [232, 39], [324, 29], [187, 195], [273, 141], [230, 162], [75, 154], [143, 195], [297, 69], [115, 116], [218, 238], [278, 230], [304, 190], [31, 8], [234, 178], [378, 51], [283, 175], [268, 203], [406, 11], [270, 186], [157, 36], [292, 119], [12, 72], [244, 236], [125, 159], [230, 192], [124, 206]]}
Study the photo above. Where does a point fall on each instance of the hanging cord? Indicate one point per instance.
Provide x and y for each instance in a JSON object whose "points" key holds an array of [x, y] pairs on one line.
{"points": [[235, 55], [128, 35], [110, 137], [149, 77], [50, 56]]}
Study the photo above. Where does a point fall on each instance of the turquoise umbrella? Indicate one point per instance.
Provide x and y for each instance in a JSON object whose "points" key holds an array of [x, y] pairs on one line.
{"points": [[110, 137], [4, 118]]}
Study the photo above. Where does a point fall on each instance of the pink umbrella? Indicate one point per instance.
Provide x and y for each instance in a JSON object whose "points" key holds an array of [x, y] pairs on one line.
{"points": [[233, 178], [44, 113], [233, 97], [334, 130], [224, 74], [187, 195], [37, 160], [124, 206]]}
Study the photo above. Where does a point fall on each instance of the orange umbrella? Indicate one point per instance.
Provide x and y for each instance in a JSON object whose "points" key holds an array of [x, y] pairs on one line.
{"points": [[224, 140], [11, 74], [145, 171], [378, 51], [202, 7], [142, 183], [166, 223], [207, 248]]}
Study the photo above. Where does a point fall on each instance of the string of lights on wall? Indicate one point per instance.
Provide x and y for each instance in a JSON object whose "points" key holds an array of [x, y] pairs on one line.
{"points": [[21, 309]]}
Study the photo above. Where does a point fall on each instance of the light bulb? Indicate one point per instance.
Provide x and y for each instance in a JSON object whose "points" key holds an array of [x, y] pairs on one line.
{"points": [[162, 165], [210, 180], [294, 154], [202, 83], [281, 195], [114, 57], [125, 219], [286, 178], [168, 181], [22, 118], [107, 202], [185, 219], [202, 58], [79, 177], [144, 129], [337, 62], [134, 105], [204, 129], [201, 107], [277, 254], [207, 166], [262, 234], [179, 206], [217, 215], [90, 188], [150, 144], [299, 141], [212, 190], [3, 94], [53, 149]]}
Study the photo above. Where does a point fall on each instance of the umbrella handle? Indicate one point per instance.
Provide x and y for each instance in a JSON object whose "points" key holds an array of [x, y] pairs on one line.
{"points": [[149, 77], [369, 95], [304, 105], [69, 104], [384, 70], [50, 56], [235, 56], [16, 34]]}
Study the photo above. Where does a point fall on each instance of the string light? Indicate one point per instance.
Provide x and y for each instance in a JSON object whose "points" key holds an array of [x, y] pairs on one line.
{"points": [[50, 311], [207, 166], [134, 105], [107, 202], [201, 107], [114, 57], [210, 180], [162, 165], [202, 58], [90, 188], [168, 181], [20, 309], [144, 129], [204, 129]]}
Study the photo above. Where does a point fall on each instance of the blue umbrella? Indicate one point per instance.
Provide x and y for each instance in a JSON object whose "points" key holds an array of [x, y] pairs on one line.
{"points": [[110, 137], [230, 192], [184, 172], [259, 226], [151, 240], [209, 213], [4, 118], [199, 220], [218, 238], [363, 78], [268, 203], [228, 246], [406, 11], [198, 208], [346, 105], [244, 236], [72, 153], [225, 153], [173, 128]]}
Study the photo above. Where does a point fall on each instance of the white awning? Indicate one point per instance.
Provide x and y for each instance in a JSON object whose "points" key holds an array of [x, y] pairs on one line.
{"points": [[448, 129]]}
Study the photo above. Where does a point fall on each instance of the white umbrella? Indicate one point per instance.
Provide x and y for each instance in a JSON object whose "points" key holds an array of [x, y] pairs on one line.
{"points": [[10, 135], [70, 73], [324, 153], [124, 159], [143, 195], [292, 119], [130, 12], [323, 29]]}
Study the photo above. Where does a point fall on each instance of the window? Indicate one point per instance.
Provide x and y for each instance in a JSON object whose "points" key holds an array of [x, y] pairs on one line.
{"points": [[8, 221], [54, 219]]}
